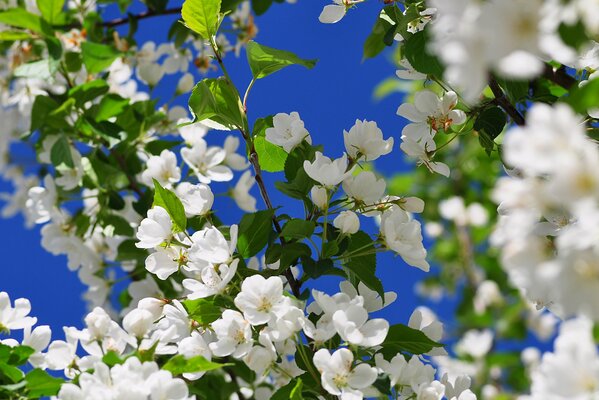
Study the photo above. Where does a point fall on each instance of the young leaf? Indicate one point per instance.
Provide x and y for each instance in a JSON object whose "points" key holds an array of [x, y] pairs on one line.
{"points": [[272, 157], [363, 267], [265, 60], [254, 231], [215, 103], [50, 9], [61, 153], [98, 57], [88, 91], [180, 365], [406, 339], [202, 311], [171, 203], [419, 57], [298, 229], [40, 383], [20, 18], [202, 16]]}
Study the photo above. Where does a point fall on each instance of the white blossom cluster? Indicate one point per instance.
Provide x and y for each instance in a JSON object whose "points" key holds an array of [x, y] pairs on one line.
{"points": [[547, 206]]}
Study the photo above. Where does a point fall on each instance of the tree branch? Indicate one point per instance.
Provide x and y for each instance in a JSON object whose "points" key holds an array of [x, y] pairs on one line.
{"points": [[502, 101], [559, 76], [143, 15]]}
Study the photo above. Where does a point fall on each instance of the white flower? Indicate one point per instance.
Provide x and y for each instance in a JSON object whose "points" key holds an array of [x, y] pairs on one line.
{"points": [[210, 245], [425, 320], [150, 73], [365, 140], [364, 188], [163, 168], [15, 318], [98, 323], [288, 131], [261, 299], [234, 160], [41, 202], [38, 340], [407, 374], [429, 114], [455, 210], [241, 192], [339, 378], [192, 133], [164, 262], [403, 235], [320, 197], [234, 335], [195, 345], [154, 229], [372, 300], [185, 83], [327, 172], [214, 280], [197, 199], [475, 343], [353, 326], [347, 222], [422, 151], [334, 12], [206, 162], [138, 322]]}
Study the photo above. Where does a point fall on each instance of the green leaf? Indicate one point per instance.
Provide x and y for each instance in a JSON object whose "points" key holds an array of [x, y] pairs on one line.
{"points": [[73, 61], [363, 267], [20, 18], [216, 103], [97, 57], [202, 16], [292, 390], [265, 60], [88, 91], [202, 311], [171, 203], [128, 251], [375, 42], [574, 35], [110, 106], [10, 36], [585, 97], [61, 153], [298, 229], [271, 157], [40, 383], [42, 69], [254, 231], [12, 373], [402, 338], [180, 365], [50, 9], [489, 124], [19, 355], [417, 54], [112, 358]]}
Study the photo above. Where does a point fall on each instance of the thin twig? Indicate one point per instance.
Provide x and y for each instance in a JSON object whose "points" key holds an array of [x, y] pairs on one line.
{"points": [[503, 102], [133, 185], [559, 76], [142, 15]]}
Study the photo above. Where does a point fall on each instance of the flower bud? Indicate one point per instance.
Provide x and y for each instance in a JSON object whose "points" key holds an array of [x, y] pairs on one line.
{"points": [[320, 197], [185, 83], [138, 322], [347, 222]]}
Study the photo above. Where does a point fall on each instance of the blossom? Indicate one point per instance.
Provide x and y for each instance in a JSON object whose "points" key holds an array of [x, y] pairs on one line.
{"points": [[365, 141], [154, 229], [364, 188], [163, 168], [422, 151], [14, 317], [138, 322], [327, 172], [288, 131], [233, 160], [164, 262], [353, 326], [339, 378], [213, 280], [260, 299], [403, 235], [347, 222], [334, 12], [207, 162], [320, 197], [210, 245], [234, 335], [409, 375], [241, 192], [455, 210], [197, 199], [371, 299]]}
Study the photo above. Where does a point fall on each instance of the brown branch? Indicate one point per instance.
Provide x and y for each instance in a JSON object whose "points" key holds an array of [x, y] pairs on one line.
{"points": [[502, 101], [143, 15], [559, 76]]}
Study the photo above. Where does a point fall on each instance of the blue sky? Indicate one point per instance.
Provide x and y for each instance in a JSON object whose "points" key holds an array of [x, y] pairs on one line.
{"points": [[329, 99]]}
